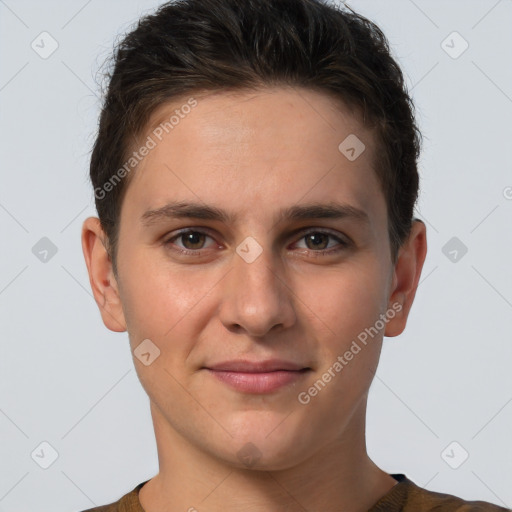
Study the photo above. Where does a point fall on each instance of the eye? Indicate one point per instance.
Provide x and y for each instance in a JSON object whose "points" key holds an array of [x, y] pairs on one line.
{"points": [[192, 241], [318, 242]]}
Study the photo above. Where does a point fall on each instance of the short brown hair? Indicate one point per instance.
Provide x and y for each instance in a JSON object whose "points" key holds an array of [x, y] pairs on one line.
{"points": [[190, 46]]}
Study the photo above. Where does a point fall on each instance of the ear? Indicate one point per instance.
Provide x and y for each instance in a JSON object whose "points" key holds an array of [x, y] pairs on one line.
{"points": [[101, 276], [406, 276]]}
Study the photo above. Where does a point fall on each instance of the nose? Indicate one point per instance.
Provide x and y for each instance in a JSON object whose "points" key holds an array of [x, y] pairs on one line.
{"points": [[256, 296]]}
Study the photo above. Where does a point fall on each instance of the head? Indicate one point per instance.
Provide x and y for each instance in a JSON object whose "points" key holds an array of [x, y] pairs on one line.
{"points": [[252, 109], [188, 47]]}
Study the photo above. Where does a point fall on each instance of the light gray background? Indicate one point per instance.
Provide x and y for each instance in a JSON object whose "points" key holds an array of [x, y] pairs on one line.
{"points": [[67, 380]]}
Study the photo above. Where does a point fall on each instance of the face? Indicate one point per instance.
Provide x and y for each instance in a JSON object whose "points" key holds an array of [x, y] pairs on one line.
{"points": [[283, 260]]}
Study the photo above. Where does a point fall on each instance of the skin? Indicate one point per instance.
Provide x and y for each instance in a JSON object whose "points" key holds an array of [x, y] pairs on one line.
{"points": [[251, 154]]}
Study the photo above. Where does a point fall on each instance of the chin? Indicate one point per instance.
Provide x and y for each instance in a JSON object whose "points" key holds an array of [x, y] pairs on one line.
{"points": [[273, 443]]}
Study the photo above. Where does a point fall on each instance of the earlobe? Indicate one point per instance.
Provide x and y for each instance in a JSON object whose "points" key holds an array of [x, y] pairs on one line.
{"points": [[406, 277], [101, 276]]}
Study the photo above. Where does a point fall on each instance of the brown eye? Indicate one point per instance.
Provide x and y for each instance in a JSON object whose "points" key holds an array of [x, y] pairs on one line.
{"points": [[192, 239], [188, 241], [317, 240], [323, 242]]}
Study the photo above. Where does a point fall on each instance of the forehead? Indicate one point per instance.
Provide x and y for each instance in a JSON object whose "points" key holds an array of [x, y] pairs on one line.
{"points": [[254, 117], [256, 150]]}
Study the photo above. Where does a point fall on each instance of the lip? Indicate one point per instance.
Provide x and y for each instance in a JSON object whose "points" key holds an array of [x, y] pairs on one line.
{"points": [[258, 377], [246, 366]]}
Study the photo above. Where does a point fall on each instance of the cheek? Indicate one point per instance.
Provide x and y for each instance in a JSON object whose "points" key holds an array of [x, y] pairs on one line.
{"points": [[161, 302], [346, 300], [345, 306]]}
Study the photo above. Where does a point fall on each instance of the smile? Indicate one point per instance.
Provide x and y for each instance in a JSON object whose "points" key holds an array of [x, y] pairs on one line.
{"points": [[258, 382]]}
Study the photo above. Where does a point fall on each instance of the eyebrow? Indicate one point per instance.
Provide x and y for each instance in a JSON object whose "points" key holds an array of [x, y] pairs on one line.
{"points": [[181, 209]]}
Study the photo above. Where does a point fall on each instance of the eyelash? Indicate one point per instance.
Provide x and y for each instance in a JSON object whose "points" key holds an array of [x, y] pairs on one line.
{"points": [[199, 252]]}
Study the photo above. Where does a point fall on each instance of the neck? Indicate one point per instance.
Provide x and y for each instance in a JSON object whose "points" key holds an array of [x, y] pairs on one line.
{"points": [[340, 476]]}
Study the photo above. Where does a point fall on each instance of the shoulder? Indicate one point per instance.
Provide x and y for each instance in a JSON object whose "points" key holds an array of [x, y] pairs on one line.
{"points": [[423, 500], [112, 507], [406, 496], [418, 499], [127, 503]]}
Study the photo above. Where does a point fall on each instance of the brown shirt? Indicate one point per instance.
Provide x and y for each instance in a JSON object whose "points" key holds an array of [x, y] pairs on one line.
{"points": [[406, 496]]}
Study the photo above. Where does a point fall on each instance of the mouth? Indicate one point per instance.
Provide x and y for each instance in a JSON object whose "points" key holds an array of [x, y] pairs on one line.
{"points": [[258, 377]]}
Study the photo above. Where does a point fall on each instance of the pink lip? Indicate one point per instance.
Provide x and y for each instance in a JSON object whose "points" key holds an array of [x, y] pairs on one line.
{"points": [[257, 376]]}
